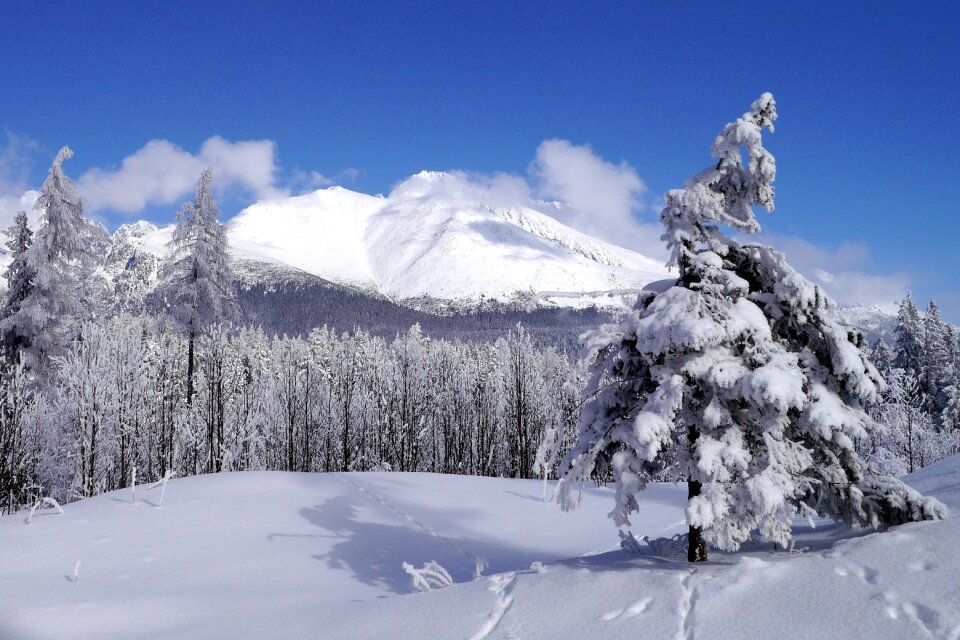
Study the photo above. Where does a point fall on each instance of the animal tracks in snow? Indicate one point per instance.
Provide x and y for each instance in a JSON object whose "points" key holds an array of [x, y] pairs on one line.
{"points": [[864, 574], [638, 607], [895, 606], [502, 586], [413, 521]]}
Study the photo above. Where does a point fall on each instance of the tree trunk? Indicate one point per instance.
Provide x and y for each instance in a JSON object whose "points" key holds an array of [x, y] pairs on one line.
{"points": [[190, 367], [910, 441], [696, 545]]}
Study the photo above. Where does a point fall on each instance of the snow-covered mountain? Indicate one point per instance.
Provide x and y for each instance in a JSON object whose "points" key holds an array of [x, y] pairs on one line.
{"points": [[429, 239], [434, 244]]}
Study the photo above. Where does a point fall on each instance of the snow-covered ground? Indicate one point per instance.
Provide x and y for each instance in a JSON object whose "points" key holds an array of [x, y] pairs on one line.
{"points": [[284, 555]]}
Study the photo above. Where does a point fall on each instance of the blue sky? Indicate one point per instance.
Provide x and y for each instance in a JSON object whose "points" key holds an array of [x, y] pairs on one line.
{"points": [[366, 94]]}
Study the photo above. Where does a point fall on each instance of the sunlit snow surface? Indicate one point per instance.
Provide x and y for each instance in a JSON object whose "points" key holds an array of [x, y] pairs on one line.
{"points": [[278, 555]]}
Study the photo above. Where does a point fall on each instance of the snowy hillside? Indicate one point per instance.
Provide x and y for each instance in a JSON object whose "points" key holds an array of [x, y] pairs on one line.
{"points": [[416, 243], [256, 555]]}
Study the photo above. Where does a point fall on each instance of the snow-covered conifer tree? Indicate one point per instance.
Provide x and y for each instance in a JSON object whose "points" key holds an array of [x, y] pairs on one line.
{"points": [[737, 375], [197, 280], [909, 332], [18, 276], [51, 309], [936, 359], [950, 416]]}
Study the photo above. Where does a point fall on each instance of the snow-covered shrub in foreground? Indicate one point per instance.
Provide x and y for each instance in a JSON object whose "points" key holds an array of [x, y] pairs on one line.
{"points": [[430, 576], [674, 547], [44, 502], [629, 542]]}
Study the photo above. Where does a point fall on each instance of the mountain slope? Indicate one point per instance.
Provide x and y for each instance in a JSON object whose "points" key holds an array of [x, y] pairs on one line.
{"points": [[431, 239]]}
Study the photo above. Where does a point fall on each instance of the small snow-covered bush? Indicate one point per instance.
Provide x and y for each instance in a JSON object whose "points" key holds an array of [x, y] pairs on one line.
{"points": [[629, 542], [674, 548], [50, 502], [431, 576], [479, 568], [162, 483]]}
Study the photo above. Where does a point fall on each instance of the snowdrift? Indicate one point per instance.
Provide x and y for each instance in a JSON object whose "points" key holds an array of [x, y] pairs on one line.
{"points": [[268, 554]]}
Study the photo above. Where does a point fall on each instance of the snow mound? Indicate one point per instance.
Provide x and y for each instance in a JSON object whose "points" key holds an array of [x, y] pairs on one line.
{"points": [[268, 554]]}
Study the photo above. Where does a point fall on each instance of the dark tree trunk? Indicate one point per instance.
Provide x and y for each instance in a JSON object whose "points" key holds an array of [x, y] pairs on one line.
{"points": [[190, 367], [696, 545]]}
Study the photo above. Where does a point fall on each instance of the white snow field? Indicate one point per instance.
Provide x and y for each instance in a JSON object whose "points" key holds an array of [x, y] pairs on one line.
{"points": [[286, 555]]}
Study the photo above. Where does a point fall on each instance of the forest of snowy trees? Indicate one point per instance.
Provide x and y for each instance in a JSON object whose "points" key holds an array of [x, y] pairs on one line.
{"points": [[88, 395], [920, 407], [89, 391], [326, 402]]}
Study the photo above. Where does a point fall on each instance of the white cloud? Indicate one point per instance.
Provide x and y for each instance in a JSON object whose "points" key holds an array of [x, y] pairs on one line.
{"points": [[588, 183], [601, 199], [306, 181], [11, 204], [161, 173], [16, 160], [491, 190], [841, 272], [570, 183]]}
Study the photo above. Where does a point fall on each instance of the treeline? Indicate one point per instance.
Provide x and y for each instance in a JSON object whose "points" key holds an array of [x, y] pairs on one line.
{"points": [[88, 393], [348, 402], [920, 407]]}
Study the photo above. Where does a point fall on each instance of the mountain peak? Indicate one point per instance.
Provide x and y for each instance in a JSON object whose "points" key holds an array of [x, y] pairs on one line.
{"points": [[437, 236]]}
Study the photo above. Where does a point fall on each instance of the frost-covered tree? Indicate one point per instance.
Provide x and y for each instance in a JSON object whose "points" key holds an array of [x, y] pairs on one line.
{"points": [[18, 276], [909, 335], [936, 359], [736, 375], [523, 414], [18, 442], [950, 417], [900, 447], [84, 392], [197, 280], [48, 314]]}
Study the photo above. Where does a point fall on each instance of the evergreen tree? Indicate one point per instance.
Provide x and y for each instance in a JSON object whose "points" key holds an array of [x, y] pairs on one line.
{"points": [[197, 280], [48, 314], [737, 375], [936, 359], [909, 333], [950, 416], [18, 276], [883, 358]]}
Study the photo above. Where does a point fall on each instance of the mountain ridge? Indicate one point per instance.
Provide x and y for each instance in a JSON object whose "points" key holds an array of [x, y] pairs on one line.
{"points": [[416, 244]]}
